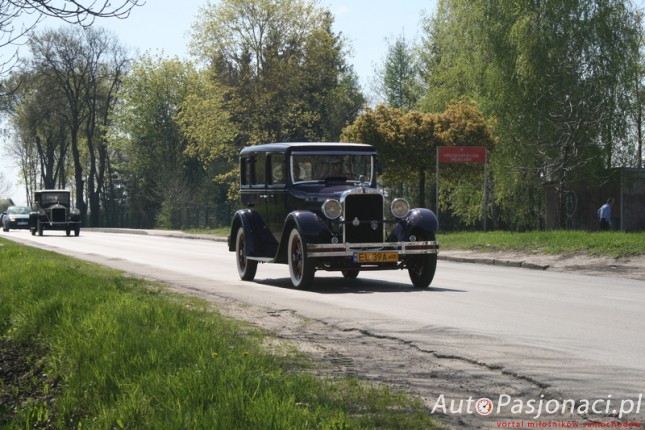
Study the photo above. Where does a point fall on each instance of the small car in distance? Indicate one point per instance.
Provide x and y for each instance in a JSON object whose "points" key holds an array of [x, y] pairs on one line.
{"points": [[53, 211], [316, 206], [16, 217]]}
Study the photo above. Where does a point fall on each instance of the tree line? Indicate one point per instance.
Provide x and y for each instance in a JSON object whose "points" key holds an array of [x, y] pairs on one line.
{"points": [[552, 89]]}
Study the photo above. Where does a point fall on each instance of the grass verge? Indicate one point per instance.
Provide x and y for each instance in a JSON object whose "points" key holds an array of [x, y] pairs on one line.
{"points": [[612, 244], [220, 231], [82, 346]]}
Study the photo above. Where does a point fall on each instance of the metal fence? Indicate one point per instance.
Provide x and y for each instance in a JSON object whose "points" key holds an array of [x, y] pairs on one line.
{"points": [[188, 217]]}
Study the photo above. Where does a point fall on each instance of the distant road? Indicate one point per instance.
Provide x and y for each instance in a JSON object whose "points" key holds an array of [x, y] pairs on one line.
{"points": [[576, 335]]}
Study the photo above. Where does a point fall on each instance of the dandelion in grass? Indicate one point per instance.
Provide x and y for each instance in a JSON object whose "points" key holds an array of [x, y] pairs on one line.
{"points": [[214, 354]]}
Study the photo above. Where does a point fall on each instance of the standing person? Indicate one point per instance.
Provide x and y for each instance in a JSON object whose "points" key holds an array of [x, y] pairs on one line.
{"points": [[604, 215]]}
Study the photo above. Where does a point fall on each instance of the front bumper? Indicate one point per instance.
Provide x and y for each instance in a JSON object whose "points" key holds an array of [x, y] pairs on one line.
{"points": [[352, 249], [60, 225]]}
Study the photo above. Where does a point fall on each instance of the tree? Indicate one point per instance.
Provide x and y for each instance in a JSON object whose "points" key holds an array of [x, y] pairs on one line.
{"points": [[407, 141], [282, 69], [398, 78], [86, 66], [62, 108], [555, 75], [158, 171], [72, 11], [36, 115], [209, 131]]}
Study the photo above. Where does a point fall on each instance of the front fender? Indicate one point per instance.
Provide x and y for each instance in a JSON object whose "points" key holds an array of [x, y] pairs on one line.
{"points": [[312, 228], [417, 220], [259, 242]]}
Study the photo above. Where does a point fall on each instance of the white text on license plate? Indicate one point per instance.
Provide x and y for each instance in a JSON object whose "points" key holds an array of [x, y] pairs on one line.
{"points": [[376, 257]]}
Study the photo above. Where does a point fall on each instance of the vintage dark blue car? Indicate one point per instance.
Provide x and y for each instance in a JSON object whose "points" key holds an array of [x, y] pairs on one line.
{"points": [[316, 206]]}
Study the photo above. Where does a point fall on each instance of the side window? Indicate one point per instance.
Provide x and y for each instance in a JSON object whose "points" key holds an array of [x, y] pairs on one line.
{"points": [[278, 167], [260, 170], [245, 172]]}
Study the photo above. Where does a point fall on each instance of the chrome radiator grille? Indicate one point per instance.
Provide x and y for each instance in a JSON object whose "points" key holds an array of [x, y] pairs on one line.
{"points": [[363, 218]]}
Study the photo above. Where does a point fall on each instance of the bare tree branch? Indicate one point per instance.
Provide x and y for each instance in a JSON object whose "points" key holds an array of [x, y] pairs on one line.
{"points": [[80, 12]]}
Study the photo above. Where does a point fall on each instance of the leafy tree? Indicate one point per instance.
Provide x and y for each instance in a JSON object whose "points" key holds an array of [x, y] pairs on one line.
{"points": [[282, 69], [157, 170], [398, 79], [209, 131], [555, 75], [407, 144]]}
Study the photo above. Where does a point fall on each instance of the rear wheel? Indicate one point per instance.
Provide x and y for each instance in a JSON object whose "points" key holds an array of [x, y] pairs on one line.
{"points": [[245, 268], [301, 268], [422, 267], [77, 231]]}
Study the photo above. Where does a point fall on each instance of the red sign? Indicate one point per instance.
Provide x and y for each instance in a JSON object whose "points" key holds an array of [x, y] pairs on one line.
{"points": [[462, 154]]}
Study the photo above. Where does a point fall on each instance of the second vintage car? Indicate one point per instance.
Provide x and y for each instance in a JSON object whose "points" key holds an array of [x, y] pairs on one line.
{"points": [[53, 211], [316, 206]]}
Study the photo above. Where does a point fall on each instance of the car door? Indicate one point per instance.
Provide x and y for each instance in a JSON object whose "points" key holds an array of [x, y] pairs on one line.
{"points": [[276, 192]]}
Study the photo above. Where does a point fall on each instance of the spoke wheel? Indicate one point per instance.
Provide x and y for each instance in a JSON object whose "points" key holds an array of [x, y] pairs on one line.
{"points": [[421, 268], [301, 267], [245, 268]]}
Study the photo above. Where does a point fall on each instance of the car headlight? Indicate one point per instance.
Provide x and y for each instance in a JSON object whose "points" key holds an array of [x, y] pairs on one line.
{"points": [[399, 208], [332, 209]]}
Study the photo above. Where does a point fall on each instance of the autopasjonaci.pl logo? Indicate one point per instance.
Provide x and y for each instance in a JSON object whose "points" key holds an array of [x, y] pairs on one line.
{"points": [[535, 408]]}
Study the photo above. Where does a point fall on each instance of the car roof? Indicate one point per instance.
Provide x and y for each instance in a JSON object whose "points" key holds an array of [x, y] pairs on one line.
{"points": [[308, 146]]}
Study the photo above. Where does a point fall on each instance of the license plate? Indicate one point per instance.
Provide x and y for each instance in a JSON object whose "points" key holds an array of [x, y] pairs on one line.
{"points": [[22, 222], [376, 257]]}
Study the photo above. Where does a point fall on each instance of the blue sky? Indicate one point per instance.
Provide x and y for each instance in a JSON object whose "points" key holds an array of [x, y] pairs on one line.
{"points": [[165, 25]]}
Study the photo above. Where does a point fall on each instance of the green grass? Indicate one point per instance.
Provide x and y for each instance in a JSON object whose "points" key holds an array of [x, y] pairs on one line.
{"points": [[220, 231], [86, 347], [613, 244]]}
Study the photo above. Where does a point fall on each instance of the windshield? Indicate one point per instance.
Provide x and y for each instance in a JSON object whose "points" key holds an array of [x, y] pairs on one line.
{"points": [[52, 198], [320, 167], [18, 210]]}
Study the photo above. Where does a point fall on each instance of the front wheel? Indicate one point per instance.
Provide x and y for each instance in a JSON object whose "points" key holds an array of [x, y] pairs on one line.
{"points": [[40, 228], [350, 274], [421, 268], [301, 268], [245, 268]]}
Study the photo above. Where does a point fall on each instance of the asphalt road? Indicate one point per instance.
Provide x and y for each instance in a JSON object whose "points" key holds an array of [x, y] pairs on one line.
{"points": [[579, 336]]}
